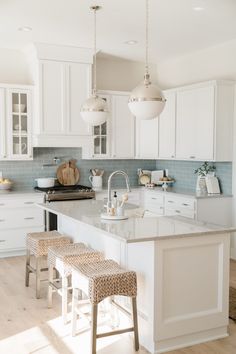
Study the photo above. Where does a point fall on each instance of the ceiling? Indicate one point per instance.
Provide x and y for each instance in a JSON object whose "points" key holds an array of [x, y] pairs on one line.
{"points": [[175, 28]]}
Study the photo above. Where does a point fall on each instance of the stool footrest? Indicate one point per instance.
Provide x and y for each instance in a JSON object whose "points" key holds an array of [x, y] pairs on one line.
{"points": [[112, 333]]}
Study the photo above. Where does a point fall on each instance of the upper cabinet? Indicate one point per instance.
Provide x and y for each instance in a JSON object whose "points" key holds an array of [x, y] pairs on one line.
{"points": [[15, 122], [114, 138], [146, 138], [167, 121], [63, 82], [122, 128], [204, 121]]}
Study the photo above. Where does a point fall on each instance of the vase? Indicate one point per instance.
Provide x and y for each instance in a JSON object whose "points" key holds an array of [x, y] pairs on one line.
{"points": [[201, 187]]}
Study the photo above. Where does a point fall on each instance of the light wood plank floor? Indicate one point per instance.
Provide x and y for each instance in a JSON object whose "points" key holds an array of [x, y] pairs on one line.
{"points": [[28, 327]]}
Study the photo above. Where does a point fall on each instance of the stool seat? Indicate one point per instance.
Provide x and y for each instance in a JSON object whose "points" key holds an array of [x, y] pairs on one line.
{"points": [[101, 280], [106, 278], [38, 242], [64, 257]]}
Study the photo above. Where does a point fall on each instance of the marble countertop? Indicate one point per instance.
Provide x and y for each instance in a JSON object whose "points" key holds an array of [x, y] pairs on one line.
{"points": [[172, 190], [135, 228]]}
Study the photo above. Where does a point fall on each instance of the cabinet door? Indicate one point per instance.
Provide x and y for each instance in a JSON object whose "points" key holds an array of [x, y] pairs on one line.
{"points": [[2, 125], [195, 123], [167, 127], [147, 138], [78, 90], [52, 87], [19, 118], [122, 128]]}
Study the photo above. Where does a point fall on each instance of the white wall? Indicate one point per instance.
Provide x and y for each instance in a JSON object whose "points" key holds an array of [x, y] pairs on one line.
{"points": [[14, 67], [212, 63], [121, 75], [218, 62]]}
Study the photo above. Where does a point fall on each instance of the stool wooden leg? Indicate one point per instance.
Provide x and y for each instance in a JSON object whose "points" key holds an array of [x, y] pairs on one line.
{"points": [[50, 290], [38, 277], [27, 271], [64, 298], [75, 295], [94, 328], [135, 321]]}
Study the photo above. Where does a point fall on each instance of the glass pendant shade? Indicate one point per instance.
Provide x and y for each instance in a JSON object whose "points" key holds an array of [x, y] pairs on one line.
{"points": [[94, 111], [146, 101]]}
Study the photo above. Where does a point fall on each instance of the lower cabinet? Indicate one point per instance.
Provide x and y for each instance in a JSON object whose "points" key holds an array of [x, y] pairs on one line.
{"points": [[18, 216], [216, 210]]}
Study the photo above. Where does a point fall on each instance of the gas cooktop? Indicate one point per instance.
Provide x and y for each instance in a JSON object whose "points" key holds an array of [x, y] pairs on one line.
{"points": [[60, 193]]}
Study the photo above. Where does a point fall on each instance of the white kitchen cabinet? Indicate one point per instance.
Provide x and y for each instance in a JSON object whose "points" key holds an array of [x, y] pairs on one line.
{"points": [[15, 122], [204, 119], [2, 125], [167, 127], [212, 209], [63, 82], [27, 218], [114, 139], [146, 138], [122, 128]]}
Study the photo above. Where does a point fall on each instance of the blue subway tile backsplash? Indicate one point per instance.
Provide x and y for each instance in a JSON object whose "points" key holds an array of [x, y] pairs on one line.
{"points": [[23, 173], [183, 173]]}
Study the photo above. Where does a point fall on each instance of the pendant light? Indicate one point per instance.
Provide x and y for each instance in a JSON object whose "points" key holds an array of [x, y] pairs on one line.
{"points": [[94, 110], [146, 100]]}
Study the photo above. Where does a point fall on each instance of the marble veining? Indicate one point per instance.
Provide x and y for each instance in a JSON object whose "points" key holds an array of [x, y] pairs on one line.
{"points": [[135, 228]]}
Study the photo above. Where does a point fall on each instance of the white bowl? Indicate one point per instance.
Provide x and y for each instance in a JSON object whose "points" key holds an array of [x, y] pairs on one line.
{"points": [[19, 108], [45, 182]]}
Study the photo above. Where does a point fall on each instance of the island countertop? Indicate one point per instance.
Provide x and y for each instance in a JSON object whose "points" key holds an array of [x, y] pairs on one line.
{"points": [[135, 228]]}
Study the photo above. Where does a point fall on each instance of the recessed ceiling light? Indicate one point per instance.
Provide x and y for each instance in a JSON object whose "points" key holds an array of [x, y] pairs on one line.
{"points": [[198, 8], [131, 42], [25, 29]]}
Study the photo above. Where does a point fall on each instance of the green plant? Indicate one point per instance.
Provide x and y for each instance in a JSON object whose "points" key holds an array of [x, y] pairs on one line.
{"points": [[204, 169]]}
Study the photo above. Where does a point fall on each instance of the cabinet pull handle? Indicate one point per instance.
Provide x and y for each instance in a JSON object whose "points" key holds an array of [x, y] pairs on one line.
{"points": [[2, 220], [177, 211], [192, 157], [185, 204], [170, 201], [154, 198], [2, 204], [29, 218], [172, 156], [161, 208], [2, 240], [28, 202]]}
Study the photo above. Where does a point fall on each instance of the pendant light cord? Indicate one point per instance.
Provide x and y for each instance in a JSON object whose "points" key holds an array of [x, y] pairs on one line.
{"points": [[95, 54], [147, 20], [146, 75]]}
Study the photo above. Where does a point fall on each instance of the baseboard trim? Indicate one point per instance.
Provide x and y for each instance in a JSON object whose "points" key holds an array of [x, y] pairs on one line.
{"points": [[192, 339]]}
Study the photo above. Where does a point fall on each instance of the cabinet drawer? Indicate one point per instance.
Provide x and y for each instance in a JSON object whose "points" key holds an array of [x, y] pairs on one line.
{"points": [[153, 197], [182, 212], [27, 201], [25, 217], [179, 202], [16, 239]]}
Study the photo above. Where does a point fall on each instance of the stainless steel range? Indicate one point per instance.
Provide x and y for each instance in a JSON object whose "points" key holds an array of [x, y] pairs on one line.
{"points": [[63, 193]]}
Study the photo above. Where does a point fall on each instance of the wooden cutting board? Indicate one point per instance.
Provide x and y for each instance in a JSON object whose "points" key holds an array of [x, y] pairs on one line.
{"points": [[68, 173]]}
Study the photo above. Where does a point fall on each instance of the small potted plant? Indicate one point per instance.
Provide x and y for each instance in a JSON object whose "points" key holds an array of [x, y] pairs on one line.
{"points": [[202, 171]]}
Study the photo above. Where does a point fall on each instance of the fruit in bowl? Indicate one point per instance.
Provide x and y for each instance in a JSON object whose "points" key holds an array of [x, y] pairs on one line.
{"points": [[5, 184]]}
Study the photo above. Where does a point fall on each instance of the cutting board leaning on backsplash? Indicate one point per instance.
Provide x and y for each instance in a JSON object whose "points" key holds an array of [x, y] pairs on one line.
{"points": [[68, 173]]}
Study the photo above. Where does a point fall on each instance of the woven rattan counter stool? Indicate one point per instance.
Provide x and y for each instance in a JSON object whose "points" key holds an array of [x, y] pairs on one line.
{"points": [[37, 244], [62, 259], [99, 281]]}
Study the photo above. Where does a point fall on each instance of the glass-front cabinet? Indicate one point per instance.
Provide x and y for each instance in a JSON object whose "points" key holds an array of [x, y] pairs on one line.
{"points": [[100, 137], [19, 124]]}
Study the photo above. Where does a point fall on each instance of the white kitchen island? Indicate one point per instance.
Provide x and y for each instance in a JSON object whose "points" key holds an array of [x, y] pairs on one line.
{"points": [[182, 268]]}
